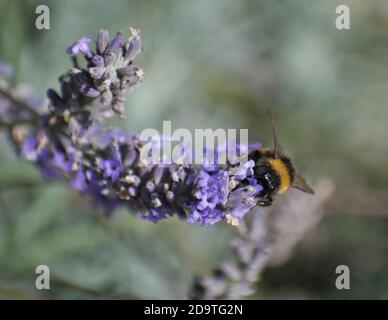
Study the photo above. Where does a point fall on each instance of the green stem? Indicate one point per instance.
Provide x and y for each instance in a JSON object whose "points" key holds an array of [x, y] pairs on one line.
{"points": [[21, 104]]}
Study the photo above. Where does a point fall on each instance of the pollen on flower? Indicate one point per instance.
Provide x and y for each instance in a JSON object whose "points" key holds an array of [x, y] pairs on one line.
{"points": [[233, 221]]}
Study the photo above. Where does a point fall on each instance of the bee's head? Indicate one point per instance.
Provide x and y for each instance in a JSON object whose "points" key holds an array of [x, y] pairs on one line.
{"points": [[284, 165]]}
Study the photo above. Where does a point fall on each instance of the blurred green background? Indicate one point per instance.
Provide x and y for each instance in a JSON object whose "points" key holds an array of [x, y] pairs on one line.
{"points": [[210, 64]]}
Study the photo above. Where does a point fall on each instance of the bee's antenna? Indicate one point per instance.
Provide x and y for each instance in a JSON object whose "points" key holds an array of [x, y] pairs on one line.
{"points": [[278, 147]]}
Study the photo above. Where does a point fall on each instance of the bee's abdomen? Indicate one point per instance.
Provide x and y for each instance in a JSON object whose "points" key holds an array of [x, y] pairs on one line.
{"points": [[283, 172]]}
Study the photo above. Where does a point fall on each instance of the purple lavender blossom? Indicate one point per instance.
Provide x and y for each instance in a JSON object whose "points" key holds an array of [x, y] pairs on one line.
{"points": [[110, 73], [114, 174], [112, 167], [211, 195], [105, 164]]}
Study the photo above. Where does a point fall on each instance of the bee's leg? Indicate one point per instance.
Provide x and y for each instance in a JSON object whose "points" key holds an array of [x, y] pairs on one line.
{"points": [[265, 200]]}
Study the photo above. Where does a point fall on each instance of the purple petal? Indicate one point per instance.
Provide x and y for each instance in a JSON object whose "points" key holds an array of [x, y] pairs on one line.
{"points": [[79, 181], [29, 147], [133, 46], [114, 44], [90, 91], [98, 61], [80, 46]]}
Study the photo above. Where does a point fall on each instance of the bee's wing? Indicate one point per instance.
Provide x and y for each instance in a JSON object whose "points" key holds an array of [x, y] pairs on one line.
{"points": [[277, 145], [301, 184]]}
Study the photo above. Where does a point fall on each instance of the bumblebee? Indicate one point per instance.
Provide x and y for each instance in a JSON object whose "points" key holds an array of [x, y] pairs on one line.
{"points": [[275, 171]]}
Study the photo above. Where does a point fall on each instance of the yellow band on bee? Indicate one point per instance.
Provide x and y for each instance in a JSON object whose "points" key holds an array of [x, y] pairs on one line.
{"points": [[282, 170]]}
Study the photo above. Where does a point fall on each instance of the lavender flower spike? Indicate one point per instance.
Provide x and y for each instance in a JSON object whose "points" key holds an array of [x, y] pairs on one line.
{"points": [[105, 164]]}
